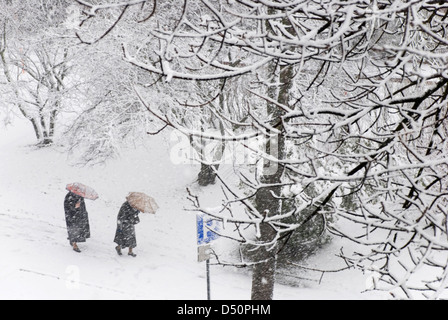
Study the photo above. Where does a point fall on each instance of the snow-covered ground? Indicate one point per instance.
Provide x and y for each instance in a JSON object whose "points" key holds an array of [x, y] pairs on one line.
{"points": [[36, 261]]}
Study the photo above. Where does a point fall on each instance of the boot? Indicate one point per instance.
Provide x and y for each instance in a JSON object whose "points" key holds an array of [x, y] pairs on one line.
{"points": [[75, 248]]}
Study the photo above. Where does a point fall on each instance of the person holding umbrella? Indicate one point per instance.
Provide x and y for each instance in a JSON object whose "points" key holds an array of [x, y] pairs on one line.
{"points": [[136, 202], [125, 235], [76, 216]]}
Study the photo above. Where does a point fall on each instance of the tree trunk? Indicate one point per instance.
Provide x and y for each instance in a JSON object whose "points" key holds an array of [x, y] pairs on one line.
{"points": [[47, 135], [34, 123], [267, 199], [207, 175], [53, 116], [263, 277]]}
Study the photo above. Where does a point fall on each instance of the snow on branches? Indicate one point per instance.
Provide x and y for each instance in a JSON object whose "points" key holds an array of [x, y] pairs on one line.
{"points": [[350, 98]]}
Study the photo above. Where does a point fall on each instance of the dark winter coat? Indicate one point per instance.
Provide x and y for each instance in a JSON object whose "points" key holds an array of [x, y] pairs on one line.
{"points": [[77, 219], [126, 221]]}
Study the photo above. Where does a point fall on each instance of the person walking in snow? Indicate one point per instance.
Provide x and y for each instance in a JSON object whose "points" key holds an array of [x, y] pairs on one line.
{"points": [[125, 235], [77, 220]]}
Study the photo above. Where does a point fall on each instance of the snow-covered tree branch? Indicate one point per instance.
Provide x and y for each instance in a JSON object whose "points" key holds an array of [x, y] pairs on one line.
{"points": [[349, 101]]}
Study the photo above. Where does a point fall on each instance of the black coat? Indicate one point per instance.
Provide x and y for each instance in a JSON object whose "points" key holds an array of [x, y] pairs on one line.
{"points": [[126, 221], [77, 219]]}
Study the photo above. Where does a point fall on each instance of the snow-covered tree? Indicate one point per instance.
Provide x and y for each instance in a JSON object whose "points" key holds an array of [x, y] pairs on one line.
{"points": [[36, 58], [354, 120]]}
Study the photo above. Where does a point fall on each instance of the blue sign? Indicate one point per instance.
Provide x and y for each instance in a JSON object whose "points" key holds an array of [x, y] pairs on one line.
{"points": [[208, 228]]}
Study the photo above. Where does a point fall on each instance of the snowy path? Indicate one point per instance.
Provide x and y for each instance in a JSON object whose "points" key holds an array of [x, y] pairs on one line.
{"points": [[36, 260]]}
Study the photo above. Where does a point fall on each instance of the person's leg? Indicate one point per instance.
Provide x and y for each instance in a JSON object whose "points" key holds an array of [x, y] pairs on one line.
{"points": [[118, 249], [75, 247], [131, 253]]}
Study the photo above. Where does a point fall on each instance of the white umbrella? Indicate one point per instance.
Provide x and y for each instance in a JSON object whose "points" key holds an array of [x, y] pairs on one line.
{"points": [[142, 202], [82, 190]]}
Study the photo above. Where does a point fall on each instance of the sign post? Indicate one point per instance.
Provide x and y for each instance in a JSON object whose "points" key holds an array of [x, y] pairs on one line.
{"points": [[207, 231]]}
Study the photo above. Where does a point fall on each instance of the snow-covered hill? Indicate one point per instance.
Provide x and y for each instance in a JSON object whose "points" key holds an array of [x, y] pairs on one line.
{"points": [[36, 261]]}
